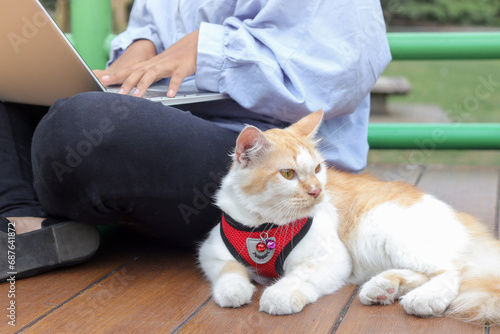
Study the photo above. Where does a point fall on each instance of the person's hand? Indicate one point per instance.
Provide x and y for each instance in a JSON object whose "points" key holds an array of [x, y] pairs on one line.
{"points": [[176, 63], [137, 52]]}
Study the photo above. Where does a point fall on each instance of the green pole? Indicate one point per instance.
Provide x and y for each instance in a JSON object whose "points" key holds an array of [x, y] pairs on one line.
{"points": [[439, 136], [432, 46], [91, 23]]}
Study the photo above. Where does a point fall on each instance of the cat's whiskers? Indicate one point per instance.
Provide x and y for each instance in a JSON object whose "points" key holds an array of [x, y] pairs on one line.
{"points": [[331, 145], [282, 213], [324, 143], [337, 130], [288, 213], [279, 207], [292, 210], [271, 214]]}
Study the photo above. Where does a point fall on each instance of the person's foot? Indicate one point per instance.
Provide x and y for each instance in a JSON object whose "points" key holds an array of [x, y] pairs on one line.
{"points": [[26, 224], [54, 243]]}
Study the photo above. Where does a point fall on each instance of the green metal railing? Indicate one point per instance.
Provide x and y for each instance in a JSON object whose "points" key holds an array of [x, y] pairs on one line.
{"points": [[435, 136], [91, 26], [439, 46], [444, 45]]}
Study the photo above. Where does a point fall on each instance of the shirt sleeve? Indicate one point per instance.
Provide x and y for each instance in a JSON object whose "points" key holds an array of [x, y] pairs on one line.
{"points": [[285, 59], [141, 25]]}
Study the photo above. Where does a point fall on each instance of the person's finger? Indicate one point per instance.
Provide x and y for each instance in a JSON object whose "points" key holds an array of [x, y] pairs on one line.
{"points": [[118, 77], [175, 82], [152, 75], [115, 77], [131, 81], [99, 74]]}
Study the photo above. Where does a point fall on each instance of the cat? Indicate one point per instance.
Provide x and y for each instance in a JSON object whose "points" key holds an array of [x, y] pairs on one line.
{"points": [[311, 229]]}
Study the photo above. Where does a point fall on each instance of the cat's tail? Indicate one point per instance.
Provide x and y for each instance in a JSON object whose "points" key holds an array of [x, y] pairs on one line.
{"points": [[479, 296]]}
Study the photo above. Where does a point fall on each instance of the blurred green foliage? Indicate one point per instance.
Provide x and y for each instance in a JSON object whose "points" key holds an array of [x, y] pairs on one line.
{"points": [[466, 12], [477, 12]]}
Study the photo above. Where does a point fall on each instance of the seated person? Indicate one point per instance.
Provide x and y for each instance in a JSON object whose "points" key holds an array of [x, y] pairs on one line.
{"points": [[95, 157]]}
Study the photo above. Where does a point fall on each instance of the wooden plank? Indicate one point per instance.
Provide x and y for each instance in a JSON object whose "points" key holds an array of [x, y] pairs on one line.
{"points": [[319, 317], [42, 294], [393, 319], [470, 189], [155, 293]]}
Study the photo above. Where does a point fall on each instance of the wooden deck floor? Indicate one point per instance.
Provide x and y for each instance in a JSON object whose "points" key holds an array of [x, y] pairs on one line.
{"points": [[135, 285]]}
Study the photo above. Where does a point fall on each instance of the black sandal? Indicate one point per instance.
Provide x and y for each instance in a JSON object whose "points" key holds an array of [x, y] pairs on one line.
{"points": [[58, 243]]}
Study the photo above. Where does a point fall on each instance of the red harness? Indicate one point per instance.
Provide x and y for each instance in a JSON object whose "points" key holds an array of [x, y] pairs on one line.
{"points": [[266, 247]]}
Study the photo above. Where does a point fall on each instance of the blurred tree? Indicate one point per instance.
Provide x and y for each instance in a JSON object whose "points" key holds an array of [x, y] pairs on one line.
{"points": [[49, 4], [121, 10], [467, 12], [59, 9]]}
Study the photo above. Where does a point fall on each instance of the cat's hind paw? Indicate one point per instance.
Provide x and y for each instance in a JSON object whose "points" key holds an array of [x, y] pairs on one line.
{"points": [[390, 285], [423, 304], [378, 290], [232, 290], [433, 298]]}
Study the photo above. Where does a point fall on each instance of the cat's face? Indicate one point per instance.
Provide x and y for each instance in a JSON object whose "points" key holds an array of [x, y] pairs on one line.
{"points": [[280, 173]]}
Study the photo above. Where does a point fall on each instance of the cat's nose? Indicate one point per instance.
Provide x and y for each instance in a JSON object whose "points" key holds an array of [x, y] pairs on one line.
{"points": [[315, 193]]}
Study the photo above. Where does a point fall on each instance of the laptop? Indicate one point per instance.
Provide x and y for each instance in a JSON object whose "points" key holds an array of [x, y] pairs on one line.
{"points": [[38, 64]]}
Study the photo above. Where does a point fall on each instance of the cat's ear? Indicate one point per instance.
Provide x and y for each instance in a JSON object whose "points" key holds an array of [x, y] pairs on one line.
{"points": [[309, 125], [250, 144]]}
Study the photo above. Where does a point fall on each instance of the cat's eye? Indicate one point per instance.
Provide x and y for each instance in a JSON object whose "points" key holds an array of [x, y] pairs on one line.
{"points": [[287, 173], [318, 168]]}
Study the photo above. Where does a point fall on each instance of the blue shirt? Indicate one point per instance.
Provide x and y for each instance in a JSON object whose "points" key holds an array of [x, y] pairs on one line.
{"points": [[278, 60]]}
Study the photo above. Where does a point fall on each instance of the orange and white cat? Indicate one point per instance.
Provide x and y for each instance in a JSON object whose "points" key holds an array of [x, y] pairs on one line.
{"points": [[401, 243]]}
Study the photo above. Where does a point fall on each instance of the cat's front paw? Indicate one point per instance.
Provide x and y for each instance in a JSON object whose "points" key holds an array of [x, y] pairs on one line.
{"points": [[232, 290], [279, 300]]}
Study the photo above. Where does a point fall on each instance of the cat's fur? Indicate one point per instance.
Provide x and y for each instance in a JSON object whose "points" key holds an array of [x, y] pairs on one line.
{"points": [[401, 243]]}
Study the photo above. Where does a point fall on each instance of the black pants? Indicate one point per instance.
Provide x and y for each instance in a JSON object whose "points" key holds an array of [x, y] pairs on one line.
{"points": [[99, 156], [17, 196]]}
